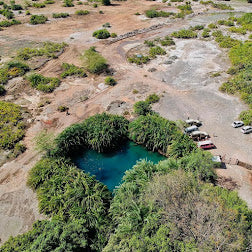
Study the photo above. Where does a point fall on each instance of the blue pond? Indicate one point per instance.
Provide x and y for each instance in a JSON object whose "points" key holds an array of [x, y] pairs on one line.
{"points": [[109, 168]]}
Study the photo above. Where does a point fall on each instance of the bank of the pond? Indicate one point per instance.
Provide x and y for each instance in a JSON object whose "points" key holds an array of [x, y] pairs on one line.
{"points": [[109, 168]]}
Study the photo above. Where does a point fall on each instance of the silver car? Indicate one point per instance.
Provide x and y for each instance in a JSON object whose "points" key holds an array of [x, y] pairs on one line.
{"points": [[246, 129], [237, 124]]}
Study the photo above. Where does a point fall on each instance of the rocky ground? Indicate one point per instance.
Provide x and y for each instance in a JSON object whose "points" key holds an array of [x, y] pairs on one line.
{"points": [[183, 79]]}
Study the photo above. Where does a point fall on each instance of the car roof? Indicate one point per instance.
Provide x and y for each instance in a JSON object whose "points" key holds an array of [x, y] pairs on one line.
{"points": [[197, 132], [247, 127], [192, 127], [205, 142], [238, 121]]}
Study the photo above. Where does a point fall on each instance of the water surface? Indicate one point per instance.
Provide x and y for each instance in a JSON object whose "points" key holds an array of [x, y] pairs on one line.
{"points": [[109, 168]]}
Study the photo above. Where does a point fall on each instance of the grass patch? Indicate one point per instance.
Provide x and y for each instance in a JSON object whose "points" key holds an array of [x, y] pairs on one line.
{"points": [[60, 15], [155, 14], [11, 125], [44, 84], [82, 12], [72, 70], [38, 19], [138, 59], [185, 34]]}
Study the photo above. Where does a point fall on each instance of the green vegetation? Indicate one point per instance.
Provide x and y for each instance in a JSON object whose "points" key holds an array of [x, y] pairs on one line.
{"points": [[206, 33], [60, 15], [94, 62], [82, 12], [220, 6], [101, 132], [6, 23], [12, 69], [38, 19], [185, 34], [7, 13], [226, 22], [45, 84], [167, 41], [2, 90], [153, 131], [105, 2], [101, 34], [212, 26], [239, 30], [157, 50], [68, 3], [11, 125], [154, 14], [39, 5], [138, 59], [48, 49], [72, 70], [149, 43], [187, 8], [246, 117], [152, 98], [113, 35], [62, 108], [142, 108], [110, 81]]}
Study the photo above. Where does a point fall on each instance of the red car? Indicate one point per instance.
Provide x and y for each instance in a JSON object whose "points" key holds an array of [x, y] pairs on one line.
{"points": [[208, 144]]}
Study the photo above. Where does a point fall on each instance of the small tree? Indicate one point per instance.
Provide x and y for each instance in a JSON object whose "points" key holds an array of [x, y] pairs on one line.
{"points": [[142, 108]]}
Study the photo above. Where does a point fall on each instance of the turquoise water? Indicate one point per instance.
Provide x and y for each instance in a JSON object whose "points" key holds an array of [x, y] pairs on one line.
{"points": [[109, 168]]}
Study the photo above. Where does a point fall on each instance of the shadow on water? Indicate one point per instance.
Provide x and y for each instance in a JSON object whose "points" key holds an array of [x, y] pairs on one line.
{"points": [[110, 167]]}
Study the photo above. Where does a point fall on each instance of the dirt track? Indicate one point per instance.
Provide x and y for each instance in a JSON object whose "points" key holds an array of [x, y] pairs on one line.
{"points": [[186, 87]]}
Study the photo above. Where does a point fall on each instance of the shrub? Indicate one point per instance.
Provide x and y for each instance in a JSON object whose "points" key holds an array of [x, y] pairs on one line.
{"points": [[142, 108], [11, 125], [105, 2], [60, 15], [95, 5], [157, 50], [149, 43], [152, 98], [48, 49], [7, 13], [154, 14], [16, 6], [110, 81], [167, 41], [2, 90], [138, 59], [39, 5], [153, 131], [7, 23], [38, 19], [206, 33], [113, 35], [212, 26], [62, 108], [94, 62], [45, 84], [82, 12], [49, 2], [72, 70], [239, 30], [246, 117], [106, 25], [185, 34], [68, 3], [101, 34]]}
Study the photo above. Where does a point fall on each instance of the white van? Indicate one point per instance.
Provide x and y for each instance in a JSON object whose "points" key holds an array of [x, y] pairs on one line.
{"points": [[190, 129]]}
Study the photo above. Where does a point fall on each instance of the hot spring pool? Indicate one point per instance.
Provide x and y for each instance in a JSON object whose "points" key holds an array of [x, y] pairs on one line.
{"points": [[109, 168]]}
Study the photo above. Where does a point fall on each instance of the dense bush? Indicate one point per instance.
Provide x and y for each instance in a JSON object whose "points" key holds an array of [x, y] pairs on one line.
{"points": [[68, 3], [142, 108], [105, 2], [12, 69], [2, 90], [153, 131], [138, 59], [82, 12], [101, 132], [167, 41], [45, 84], [72, 70], [11, 125], [6, 23], [110, 81], [7, 13], [94, 62], [154, 13], [101, 34], [246, 117], [38, 19], [152, 98], [185, 34], [157, 50], [60, 15], [48, 49]]}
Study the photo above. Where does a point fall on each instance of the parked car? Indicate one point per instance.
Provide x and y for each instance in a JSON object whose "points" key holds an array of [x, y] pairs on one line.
{"points": [[246, 129], [199, 135], [208, 144], [237, 124], [190, 129], [193, 122]]}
